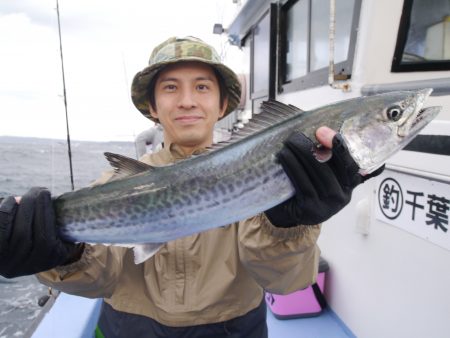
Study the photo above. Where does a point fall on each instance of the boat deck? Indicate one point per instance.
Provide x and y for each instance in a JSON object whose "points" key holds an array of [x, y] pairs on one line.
{"points": [[76, 317], [326, 325]]}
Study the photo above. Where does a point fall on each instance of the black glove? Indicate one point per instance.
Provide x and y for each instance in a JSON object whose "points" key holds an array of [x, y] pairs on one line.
{"points": [[321, 189], [29, 242]]}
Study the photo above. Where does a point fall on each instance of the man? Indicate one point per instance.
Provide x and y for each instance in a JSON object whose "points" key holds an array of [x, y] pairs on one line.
{"points": [[208, 284], [150, 138]]}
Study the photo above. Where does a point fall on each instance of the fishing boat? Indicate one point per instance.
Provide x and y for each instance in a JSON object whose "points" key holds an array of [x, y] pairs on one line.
{"points": [[387, 250]]}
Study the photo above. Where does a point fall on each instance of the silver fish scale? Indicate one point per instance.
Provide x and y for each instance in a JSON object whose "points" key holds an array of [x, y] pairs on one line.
{"points": [[218, 192]]}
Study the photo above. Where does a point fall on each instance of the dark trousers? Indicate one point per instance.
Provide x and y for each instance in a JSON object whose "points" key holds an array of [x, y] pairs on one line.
{"points": [[116, 324]]}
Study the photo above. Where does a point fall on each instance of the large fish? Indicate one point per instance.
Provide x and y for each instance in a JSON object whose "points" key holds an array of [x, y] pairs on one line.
{"points": [[235, 180]]}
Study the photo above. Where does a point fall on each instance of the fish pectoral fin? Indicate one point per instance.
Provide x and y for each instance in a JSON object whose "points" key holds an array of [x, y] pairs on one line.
{"points": [[126, 166], [142, 252]]}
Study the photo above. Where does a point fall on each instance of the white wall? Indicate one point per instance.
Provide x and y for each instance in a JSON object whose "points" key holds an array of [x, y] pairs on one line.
{"points": [[388, 283]]}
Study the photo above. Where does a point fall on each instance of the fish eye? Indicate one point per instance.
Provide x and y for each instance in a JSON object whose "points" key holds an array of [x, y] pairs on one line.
{"points": [[394, 113]]}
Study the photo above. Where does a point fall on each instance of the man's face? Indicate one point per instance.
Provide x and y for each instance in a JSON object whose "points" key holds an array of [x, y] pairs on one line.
{"points": [[187, 96]]}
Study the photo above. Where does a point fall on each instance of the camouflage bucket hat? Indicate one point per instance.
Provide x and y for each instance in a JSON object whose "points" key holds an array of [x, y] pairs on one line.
{"points": [[176, 50]]}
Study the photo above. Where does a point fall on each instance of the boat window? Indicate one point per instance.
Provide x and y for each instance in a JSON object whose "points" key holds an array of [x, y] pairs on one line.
{"points": [[320, 15], [261, 47], [423, 41], [304, 42], [262, 42], [297, 41]]}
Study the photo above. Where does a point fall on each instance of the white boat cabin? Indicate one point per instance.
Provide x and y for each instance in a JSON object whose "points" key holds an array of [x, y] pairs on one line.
{"points": [[389, 248]]}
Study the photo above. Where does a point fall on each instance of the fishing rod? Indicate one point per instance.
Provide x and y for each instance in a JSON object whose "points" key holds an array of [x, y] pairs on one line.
{"points": [[44, 299], [65, 98]]}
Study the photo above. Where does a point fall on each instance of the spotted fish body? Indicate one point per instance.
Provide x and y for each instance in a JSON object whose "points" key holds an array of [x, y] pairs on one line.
{"points": [[235, 180]]}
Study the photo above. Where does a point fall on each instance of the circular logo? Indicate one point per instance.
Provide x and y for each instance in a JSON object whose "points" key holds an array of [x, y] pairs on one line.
{"points": [[390, 198]]}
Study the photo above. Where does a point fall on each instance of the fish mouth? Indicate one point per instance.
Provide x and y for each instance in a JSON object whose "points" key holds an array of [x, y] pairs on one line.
{"points": [[424, 116], [420, 117]]}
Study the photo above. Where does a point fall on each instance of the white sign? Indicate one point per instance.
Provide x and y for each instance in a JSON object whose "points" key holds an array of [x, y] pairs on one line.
{"points": [[415, 204]]}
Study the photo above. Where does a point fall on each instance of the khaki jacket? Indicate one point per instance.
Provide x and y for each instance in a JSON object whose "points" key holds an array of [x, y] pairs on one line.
{"points": [[204, 278]]}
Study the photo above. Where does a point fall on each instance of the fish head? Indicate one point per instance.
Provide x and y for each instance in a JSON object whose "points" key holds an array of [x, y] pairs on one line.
{"points": [[383, 124]]}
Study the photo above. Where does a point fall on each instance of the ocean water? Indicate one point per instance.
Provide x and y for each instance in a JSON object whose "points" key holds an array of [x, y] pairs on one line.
{"points": [[28, 162]]}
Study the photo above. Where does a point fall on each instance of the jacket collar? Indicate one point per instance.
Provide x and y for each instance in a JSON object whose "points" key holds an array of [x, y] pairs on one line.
{"points": [[168, 154]]}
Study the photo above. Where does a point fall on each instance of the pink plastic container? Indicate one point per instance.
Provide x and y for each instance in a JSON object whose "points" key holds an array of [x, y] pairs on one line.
{"points": [[308, 302]]}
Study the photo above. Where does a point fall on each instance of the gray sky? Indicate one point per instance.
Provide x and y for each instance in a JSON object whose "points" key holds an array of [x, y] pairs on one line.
{"points": [[105, 43]]}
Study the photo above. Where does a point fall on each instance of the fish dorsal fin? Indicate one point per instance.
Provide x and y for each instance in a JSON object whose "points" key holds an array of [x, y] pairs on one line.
{"points": [[272, 112], [126, 166], [280, 109]]}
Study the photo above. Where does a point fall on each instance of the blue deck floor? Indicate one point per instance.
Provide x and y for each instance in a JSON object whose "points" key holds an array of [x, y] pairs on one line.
{"points": [[75, 317], [326, 325]]}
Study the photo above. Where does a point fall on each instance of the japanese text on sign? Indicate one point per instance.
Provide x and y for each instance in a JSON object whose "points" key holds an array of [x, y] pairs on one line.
{"points": [[418, 205]]}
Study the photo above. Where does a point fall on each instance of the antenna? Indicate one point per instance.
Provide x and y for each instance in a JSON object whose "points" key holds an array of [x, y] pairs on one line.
{"points": [[65, 98]]}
